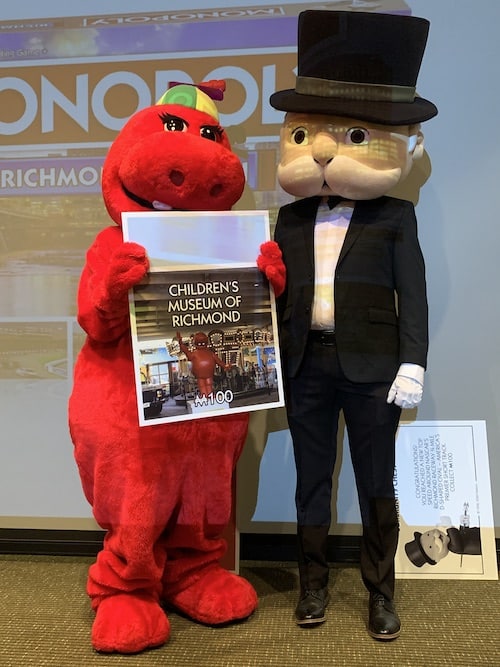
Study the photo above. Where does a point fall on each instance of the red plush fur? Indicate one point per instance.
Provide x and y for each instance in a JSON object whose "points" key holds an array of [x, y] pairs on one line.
{"points": [[161, 492], [270, 262]]}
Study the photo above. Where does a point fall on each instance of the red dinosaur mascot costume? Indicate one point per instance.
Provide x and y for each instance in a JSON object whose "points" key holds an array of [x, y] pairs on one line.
{"points": [[161, 492]]}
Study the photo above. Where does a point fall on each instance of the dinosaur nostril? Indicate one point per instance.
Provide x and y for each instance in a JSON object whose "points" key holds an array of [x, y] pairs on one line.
{"points": [[177, 177], [215, 190]]}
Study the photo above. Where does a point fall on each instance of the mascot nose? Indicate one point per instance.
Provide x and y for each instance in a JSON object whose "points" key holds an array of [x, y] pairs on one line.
{"points": [[324, 149], [216, 190], [177, 177]]}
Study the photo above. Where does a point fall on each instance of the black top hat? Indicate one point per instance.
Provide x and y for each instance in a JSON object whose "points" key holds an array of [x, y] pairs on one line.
{"points": [[415, 552], [359, 64]]}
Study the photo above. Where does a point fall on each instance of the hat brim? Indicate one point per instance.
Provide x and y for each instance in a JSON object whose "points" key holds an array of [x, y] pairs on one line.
{"points": [[384, 113], [415, 554]]}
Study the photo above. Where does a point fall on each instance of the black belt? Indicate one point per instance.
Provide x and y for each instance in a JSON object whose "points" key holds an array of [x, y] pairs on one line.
{"points": [[322, 336]]}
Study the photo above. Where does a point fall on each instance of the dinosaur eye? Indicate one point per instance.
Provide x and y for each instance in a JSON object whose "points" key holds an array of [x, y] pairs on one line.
{"points": [[299, 135], [357, 136], [173, 123], [211, 132]]}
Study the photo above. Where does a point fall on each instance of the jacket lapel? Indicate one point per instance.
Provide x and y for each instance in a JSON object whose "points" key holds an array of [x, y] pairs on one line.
{"points": [[356, 226], [364, 212], [306, 220]]}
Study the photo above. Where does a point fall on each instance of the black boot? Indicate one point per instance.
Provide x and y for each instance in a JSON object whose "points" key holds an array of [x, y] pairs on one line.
{"points": [[312, 606], [313, 573], [383, 621]]}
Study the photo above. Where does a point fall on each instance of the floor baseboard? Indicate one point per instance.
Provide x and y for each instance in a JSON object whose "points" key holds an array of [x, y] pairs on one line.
{"points": [[253, 546]]}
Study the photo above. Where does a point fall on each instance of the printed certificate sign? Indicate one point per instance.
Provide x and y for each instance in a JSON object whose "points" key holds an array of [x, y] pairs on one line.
{"points": [[204, 329], [444, 496]]}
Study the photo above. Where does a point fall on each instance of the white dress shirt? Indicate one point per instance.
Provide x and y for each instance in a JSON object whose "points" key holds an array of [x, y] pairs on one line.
{"points": [[329, 234]]}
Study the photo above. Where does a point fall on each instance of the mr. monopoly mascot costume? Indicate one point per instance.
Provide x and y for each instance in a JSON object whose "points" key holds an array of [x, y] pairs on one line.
{"points": [[161, 492], [351, 282]]}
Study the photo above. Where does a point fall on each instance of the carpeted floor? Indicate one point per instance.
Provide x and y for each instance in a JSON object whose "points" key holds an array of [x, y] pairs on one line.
{"points": [[45, 619]]}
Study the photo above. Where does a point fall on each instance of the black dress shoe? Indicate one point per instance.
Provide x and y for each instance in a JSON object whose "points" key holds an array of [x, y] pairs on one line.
{"points": [[311, 607], [383, 621]]}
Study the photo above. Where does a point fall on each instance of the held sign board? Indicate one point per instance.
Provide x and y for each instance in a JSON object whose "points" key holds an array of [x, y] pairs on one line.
{"points": [[203, 322]]}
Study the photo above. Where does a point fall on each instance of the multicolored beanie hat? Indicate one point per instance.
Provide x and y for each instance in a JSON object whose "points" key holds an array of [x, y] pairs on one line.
{"points": [[196, 96]]}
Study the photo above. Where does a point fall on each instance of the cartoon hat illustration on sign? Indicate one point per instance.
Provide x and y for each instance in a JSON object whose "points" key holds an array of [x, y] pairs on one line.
{"points": [[415, 552], [359, 64]]}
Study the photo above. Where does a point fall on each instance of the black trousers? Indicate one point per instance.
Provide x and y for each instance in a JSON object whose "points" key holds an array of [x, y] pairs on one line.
{"points": [[315, 398]]}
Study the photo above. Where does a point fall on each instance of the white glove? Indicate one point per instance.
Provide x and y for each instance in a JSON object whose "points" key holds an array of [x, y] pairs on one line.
{"points": [[407, 389]]}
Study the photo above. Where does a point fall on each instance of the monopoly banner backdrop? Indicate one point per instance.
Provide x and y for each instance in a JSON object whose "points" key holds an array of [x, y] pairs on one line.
{"points": [[204, 305], [68, 85], [444, 497]]}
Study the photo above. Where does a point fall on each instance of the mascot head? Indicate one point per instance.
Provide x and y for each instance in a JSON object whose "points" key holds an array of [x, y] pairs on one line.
{"points": [[173, 156], [352, 126], [200, 339]]}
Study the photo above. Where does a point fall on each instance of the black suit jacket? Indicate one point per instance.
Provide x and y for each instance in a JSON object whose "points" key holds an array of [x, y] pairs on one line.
{"points": [[379, 289]]}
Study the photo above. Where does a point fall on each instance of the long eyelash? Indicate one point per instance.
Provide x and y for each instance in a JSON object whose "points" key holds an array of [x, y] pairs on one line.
{"points": [[164, 117], [217, 129]]}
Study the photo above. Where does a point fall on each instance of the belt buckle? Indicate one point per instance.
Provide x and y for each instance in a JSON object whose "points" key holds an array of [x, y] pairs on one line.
{"points": [[326, 338]]}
